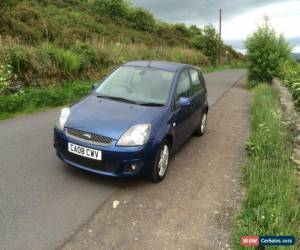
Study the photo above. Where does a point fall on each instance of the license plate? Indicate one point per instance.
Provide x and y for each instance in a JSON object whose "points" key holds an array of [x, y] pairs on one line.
{"points": [[85, 152]]}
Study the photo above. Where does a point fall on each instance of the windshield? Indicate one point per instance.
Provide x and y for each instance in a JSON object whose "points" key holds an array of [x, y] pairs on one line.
{"points": [[138, 84]]}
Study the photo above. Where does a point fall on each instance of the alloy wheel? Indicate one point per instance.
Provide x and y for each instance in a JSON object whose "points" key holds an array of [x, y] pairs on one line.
{"points": [[163, 161]]}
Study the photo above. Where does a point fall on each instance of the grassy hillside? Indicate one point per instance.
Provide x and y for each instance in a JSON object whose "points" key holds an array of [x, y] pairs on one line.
{"points": [[47, 41], [52, 50]]}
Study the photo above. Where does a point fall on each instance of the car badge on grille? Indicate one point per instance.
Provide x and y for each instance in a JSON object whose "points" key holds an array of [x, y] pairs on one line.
{"points": [[87, 135]]}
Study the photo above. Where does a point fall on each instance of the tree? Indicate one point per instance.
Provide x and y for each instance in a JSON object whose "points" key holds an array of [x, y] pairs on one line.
{"points": [[180, 27], [208, 42], [115, 9], [195, 30], [266, 53], [143, 20]]}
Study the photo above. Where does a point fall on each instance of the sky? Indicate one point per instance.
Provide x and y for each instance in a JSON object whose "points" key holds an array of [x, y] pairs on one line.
{"points": [[240, 17]]}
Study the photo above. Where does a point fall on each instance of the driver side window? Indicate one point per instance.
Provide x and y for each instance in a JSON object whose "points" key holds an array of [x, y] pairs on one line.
{"points": [[183, 86]]}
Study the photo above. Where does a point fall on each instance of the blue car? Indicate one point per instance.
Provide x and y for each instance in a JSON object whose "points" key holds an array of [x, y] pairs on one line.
{"points": [[134, 119]]}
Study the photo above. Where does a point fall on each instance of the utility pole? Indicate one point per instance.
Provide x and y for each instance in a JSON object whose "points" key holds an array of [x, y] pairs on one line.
{"points": [[220, 33]]}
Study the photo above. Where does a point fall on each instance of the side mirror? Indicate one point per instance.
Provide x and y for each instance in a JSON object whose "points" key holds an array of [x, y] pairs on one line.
{"points": [[94, 86], [184, 102]]}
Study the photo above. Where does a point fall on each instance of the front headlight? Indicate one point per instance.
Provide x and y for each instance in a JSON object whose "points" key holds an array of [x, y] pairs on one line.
{"points": [[137, 135], [64, 114]]}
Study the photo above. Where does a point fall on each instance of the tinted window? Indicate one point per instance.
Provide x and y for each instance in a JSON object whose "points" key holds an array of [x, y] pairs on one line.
{"points": [[196, 82], [183, 86]]}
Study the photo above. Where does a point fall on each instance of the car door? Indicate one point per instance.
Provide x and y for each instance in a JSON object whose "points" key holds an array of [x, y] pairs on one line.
{"points": [[198, 99], [182, 116]]}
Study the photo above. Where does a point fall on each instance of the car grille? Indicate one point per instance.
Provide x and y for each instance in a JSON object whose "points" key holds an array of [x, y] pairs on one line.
{"points": [[88, 137]]}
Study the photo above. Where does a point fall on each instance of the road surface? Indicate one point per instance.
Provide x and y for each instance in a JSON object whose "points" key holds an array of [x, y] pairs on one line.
{"points": [[43, 202]]}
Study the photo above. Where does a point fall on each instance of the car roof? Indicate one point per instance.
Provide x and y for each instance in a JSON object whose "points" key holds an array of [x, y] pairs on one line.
{"points": [[164, 65]]}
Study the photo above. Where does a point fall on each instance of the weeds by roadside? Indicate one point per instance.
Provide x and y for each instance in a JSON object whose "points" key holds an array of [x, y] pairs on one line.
{"points": [[270, 206], [236, 64], [29, 100]]}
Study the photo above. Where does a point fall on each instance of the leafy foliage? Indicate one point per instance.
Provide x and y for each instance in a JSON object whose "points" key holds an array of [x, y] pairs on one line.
{"points": [[6, 77], [32, 98], [266, 53], [208, 42], [114, 9], [290, 74], [182, 29], [143, 20]]}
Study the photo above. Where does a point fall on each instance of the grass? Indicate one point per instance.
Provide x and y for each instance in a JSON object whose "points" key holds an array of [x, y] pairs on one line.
{"points": [[47, 42], [37, 99], [34, 99], [271, 206], [48, 63], [235, 64]]}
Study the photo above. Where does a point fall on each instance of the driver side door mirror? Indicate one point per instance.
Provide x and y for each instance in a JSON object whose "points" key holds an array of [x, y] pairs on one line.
{"points": [[184, 102]]}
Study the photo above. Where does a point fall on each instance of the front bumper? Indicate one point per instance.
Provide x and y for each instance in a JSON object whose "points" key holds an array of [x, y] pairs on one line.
{"points": [[116, 161]]}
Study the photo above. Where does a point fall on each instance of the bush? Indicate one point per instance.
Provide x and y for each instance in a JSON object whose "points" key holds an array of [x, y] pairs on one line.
{"points": [[208, 42], [22, 59], [195, 30], [87, 52], [65, 60], [181, 28], [266, 53], [32, 98], [143, 20], [290, 74], [115, 9], [6, 77]]}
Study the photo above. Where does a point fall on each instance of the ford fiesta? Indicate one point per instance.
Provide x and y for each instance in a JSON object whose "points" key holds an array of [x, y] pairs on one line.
{"points": [[133, 120]]}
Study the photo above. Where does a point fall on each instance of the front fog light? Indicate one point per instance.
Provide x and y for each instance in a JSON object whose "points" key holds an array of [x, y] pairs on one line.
{"points": [[133, 167]]}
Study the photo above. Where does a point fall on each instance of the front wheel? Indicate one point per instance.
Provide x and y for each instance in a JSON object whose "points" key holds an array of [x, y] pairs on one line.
{"points": [[202, 126], [161, 162]]}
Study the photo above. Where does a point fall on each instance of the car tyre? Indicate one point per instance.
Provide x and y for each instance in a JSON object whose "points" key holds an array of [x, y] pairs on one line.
{"points": [[202, 126], [161, 162]]}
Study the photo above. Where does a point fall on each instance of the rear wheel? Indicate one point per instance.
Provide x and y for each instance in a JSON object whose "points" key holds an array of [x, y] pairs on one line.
{"points": [[202, 126], [161, 162]]}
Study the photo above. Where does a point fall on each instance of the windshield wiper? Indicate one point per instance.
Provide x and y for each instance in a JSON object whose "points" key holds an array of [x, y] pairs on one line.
{"points": [[117, 98], [153, 104]]}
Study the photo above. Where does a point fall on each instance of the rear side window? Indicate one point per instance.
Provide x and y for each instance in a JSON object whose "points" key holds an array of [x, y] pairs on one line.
{"points": [[196, 81], [183, 86]]}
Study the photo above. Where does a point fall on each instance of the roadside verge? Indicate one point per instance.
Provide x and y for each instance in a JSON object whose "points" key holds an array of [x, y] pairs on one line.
{"points": [[271, 206]]}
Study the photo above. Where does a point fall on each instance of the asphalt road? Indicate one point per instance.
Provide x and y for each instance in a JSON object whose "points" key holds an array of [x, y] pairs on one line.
{"points": [[43, 202]]}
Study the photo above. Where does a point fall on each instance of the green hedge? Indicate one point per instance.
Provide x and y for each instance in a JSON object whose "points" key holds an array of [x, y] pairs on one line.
{"points": [[32, 98]]}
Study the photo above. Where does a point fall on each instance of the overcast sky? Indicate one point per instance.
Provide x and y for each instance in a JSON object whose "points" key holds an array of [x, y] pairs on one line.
{"points": [[240, 17]]}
